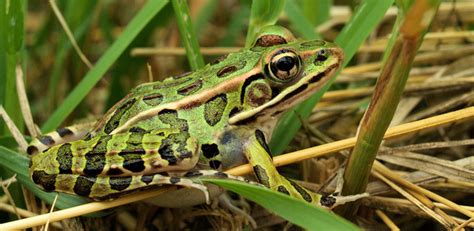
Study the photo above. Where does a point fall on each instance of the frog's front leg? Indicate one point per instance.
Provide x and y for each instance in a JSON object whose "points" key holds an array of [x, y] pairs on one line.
{"points": [[258, 154]]}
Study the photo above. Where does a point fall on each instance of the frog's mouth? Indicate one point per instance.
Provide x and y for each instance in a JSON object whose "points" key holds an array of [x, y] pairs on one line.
{"points": [[303, 89]]}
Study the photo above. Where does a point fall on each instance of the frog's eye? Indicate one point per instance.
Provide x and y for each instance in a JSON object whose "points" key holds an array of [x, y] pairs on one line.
{"points": [[284, 65]]}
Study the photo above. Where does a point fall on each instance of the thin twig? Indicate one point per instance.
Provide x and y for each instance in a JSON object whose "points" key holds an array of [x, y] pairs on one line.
{"points": [[69, 34], [10, 198], [51, 211], [390, 224], [13, 129], [24, 104], [413, 199]]}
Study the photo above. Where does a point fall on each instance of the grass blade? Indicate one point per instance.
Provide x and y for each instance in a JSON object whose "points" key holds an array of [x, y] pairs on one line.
{"points": [[262, 13], [188, 37], [299, 22], [386, 96], [149, 10], [11, 43], [80, 11], [316, 11]]}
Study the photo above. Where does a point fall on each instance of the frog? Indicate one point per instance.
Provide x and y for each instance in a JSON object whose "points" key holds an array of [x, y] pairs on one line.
{"points": [[194, 125]]}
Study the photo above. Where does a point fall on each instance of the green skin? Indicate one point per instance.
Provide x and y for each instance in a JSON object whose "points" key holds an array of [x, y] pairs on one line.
{"points": [[217, 117]]}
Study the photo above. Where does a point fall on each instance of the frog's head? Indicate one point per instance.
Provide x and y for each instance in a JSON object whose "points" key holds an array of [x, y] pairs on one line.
{"points": [[290, 72]]}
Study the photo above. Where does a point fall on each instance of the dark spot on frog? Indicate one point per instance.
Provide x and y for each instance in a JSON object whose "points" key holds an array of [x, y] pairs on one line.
{"points": [[261, 175], [46, 140], [321, 56], [193, 174], [147, 179], [261, 140], [166, 152], [47, 181], [95, 163], [114, 171], [170, 117], [64, 132], [317, 77], [120, 183], [214, 164], [214, 109], [210, 150], [225, 71], [327, 200], [270, 40], [246, 83], [153, 99], [83, 185], [221, 175], [174, 180], [64, 159], [275, 92], [191, 88], [282, 189], [234, 111], [133, 159], [114, 121], [32, 150], [301, 191]]}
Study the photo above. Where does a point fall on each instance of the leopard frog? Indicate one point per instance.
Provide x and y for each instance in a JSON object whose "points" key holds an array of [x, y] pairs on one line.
{"points": [[195, 124]]}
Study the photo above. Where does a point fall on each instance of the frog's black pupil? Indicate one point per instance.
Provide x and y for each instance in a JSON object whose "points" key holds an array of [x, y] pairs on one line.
{"points": [[286, 63]]}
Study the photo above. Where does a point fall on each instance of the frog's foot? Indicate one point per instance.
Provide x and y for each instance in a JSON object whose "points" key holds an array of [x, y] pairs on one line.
{"points": [[333, 200]]}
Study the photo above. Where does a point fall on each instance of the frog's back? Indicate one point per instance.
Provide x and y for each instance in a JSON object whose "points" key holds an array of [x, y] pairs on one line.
{"points": [[184, 94]]}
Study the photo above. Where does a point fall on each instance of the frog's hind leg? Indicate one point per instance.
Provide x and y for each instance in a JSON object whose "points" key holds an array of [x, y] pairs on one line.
{"points": [[60, 136], [105, 187]]}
